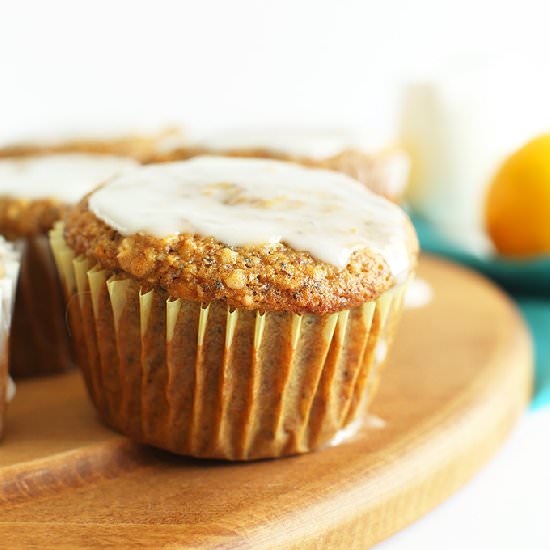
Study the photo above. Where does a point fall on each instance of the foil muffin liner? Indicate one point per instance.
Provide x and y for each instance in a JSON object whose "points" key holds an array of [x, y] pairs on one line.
{"points": [[39, 341], [209, 381]]}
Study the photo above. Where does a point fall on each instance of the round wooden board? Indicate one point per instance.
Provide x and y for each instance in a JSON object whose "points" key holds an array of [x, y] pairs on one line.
{"points": [[458, 378]]}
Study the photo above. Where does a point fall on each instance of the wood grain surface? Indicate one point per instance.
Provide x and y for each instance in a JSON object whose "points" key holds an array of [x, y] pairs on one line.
{"points": [[458, 378]]}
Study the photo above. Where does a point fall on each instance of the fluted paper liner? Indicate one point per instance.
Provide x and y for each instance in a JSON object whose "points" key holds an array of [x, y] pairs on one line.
{"points": [[209, 381], [3, 379], [9, 263], [39, 339]]}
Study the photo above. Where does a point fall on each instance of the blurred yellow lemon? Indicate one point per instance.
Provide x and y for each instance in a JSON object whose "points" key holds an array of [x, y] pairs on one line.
{"points": [[517, 208]]}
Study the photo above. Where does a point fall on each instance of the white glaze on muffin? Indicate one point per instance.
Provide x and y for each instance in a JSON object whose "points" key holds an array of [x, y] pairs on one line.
{"points": [[62, 177], [244, 202]]}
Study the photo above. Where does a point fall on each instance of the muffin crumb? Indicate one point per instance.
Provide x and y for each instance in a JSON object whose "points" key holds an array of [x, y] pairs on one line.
{"points": [[236, 279]]}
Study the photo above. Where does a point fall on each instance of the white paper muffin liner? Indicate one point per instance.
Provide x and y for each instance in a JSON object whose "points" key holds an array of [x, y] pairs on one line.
{"points": [[39, 340], [9, 268], [209, 381]]}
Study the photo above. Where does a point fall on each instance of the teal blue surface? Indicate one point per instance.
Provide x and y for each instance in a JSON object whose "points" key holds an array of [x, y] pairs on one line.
{"points": [[528, 282]]}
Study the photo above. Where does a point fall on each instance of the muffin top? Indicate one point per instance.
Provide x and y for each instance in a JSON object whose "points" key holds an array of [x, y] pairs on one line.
{"points": [[260, 234], [138, 144], [383, 169], [34, 190], [315, 144]]}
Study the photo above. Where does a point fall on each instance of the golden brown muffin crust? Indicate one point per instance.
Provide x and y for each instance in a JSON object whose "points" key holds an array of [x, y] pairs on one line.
{"points": [[28, 217], [266, 277]]}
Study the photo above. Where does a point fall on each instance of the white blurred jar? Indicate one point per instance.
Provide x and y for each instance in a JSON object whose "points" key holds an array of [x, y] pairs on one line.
{"points": [[458, 127]]}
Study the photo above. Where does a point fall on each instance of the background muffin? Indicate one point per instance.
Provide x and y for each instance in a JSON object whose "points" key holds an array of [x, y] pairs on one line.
{"points": [[233, 308], [384, 170], [134, 145], [35, 191], [9, 268]]}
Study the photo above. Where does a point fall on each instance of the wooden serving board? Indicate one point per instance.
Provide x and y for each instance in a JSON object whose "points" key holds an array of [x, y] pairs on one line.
{"points": [[458, 378]]}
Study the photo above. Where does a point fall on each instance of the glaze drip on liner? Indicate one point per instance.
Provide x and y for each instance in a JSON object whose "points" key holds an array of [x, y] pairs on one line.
{"points": [[245, 202]]}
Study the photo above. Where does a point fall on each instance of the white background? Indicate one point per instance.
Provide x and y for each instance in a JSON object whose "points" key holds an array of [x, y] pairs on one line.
{"points": [[210, 63], [505, 507], [87, 65]]}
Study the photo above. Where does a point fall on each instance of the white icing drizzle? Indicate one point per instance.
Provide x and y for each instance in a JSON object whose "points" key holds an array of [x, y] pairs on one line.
{"points": [[361, 425], [64, 177], [387, 172], [418, 294], [244, 202], [300, 142], [348, 432]]}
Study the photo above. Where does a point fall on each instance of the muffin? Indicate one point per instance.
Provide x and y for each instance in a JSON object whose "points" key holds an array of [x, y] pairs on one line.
{"points": [[9, 267], [233, 308], [383, 170], [35, 191], [138, 146]]}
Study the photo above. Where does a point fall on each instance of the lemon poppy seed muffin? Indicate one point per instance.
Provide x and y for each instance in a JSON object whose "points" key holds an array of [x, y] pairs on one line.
{"points": [[234, 308], [9, 268], [35, 191], [383, 169], [136, 145]]}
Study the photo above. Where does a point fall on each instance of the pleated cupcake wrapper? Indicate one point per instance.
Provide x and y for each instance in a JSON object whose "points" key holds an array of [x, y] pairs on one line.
{"points": [[9, 259], [3, 379], [210, 381], [39, 340]]}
